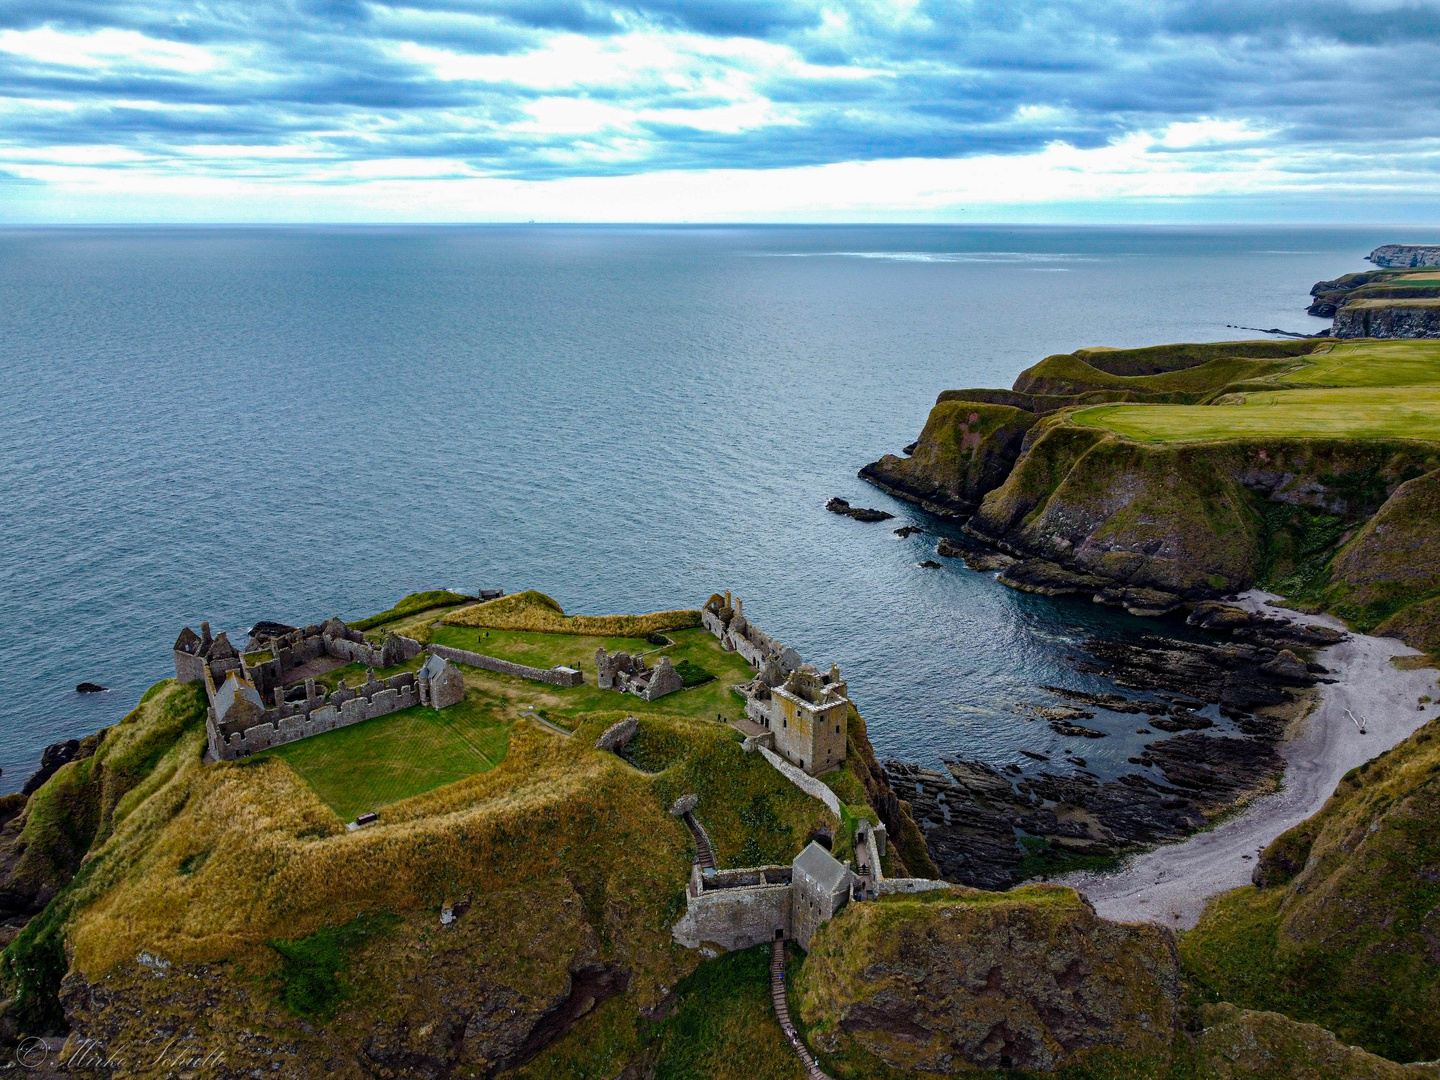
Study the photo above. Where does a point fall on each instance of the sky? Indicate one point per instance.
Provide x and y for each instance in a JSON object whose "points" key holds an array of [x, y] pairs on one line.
{"points": [[729, 110]]}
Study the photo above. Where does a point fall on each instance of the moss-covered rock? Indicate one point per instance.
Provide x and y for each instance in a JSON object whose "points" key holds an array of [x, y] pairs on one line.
{"points": [[1236, 1043], [1344, 930], [1029, 979], [1392, 561], [966, 449]]}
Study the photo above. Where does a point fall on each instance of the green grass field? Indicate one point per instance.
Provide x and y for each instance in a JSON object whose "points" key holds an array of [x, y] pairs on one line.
{"points": [[537, 649], [1370, 363], [1360, 390], [381, 761], [1360, 413]]}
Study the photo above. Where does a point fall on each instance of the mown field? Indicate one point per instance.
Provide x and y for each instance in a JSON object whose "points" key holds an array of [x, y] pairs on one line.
{"points": [[1361, 390]]}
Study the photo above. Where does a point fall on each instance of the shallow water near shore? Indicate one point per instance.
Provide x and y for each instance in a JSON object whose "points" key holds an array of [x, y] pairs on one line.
{"points": [[237, 424]]}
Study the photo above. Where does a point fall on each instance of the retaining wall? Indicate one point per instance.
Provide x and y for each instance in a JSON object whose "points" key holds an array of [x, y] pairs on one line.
{"points": [[553, 676], [735, 918], [803, 781]]}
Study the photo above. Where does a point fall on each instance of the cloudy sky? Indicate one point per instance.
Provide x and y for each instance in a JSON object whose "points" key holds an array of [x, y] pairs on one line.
{"points": [[243, 110]]}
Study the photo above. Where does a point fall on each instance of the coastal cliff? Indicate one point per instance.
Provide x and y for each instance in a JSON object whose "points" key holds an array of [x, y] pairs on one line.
{"points": [[1189, 472]]}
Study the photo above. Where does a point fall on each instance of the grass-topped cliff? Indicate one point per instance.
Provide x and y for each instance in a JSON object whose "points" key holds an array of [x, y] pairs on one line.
{"points": [[1343, 928], [227, 904], [1196, 470]]}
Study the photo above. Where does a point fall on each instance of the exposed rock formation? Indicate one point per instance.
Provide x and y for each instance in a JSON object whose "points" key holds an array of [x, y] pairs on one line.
{"points": [[1400, 318], [966, 449], [1032, 980], [1392, 255], [859, 513]]}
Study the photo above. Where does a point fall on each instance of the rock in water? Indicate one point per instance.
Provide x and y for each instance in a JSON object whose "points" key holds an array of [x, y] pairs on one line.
{"points": [[859, 513], [90, 688]]}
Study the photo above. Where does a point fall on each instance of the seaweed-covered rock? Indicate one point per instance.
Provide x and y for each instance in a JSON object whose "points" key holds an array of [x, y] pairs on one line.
{"points": [[1031, 979]]}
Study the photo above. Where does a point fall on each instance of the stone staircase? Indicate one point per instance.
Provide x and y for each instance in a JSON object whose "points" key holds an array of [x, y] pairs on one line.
{"points": [[704, 853], [782, 1013]]}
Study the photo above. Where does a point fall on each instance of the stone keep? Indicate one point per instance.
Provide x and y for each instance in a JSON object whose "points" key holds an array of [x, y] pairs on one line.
{"points": [[807, 714], [440, 682]]}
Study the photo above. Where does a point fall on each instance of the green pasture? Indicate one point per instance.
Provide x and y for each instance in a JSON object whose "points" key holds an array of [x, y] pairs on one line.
{"points": [[1362, 412], [537, 649], [1370, 363], [377, 762]]}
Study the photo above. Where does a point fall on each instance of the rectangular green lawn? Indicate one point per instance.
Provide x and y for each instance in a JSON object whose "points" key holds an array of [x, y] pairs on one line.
{"points": [[537, 649], [377, 762], [1411, 412], [1370, 363]]}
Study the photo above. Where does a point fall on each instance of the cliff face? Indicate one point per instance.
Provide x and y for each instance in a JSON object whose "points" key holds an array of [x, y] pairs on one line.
{"points": [[966, 449], [1399, 318], [1154, 522], [1024, 980], [1343, 929], [1405, 255]]}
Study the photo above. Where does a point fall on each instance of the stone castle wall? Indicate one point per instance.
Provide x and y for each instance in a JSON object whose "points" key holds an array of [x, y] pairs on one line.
{"points": [[290, 723], [737, 908], [554, 676]]}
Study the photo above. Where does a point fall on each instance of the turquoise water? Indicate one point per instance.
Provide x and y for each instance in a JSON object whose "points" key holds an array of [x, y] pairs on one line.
{"points": [[236, 424]]}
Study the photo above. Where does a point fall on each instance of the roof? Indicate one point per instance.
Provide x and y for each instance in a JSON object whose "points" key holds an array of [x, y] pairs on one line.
{"points": [[433, 666], [235, 687], [821, 867]]}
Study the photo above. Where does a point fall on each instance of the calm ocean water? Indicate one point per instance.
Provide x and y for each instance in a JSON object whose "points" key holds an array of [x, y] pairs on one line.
{"points": [[235, 424]]}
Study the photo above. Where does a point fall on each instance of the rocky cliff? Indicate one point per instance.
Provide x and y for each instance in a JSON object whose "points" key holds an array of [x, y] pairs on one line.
{"points": [[1405, 255], [1086, 509], [1410, 317]]}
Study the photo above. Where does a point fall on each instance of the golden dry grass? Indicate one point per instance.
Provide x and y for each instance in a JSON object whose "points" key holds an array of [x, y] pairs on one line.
{"points": [[536, 612]]}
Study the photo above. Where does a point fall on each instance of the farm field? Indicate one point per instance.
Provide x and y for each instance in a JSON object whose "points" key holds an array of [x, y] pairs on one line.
{"points": [[378, 762], [1360, 413]]}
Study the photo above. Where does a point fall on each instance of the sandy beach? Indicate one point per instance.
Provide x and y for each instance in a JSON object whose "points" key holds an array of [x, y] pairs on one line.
{"points": [[1171, 884]]}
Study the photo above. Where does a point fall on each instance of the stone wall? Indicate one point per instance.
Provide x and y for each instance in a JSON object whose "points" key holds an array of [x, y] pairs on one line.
{"points": [[909, 885], [736, 909], [290, 723], [800, 779], [556, 676]]}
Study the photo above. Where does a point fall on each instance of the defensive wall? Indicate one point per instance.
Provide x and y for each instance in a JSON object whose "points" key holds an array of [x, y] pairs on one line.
{"points": [[556, 676], [317, 714]]}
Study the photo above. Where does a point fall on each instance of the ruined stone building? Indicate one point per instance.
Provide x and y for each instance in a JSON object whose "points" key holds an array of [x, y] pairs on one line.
{"points": [[239, 723], [804, 711], [440, 683], [629, 675]]}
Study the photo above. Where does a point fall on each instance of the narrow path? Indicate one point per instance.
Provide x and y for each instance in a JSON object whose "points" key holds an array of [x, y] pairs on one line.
{"points": [[782, 1013], [1171, 884], [529, 715], [704, 853]]}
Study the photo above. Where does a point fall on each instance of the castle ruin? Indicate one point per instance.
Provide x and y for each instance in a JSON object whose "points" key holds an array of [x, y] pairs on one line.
{"points": [[239, 723], [803, 713], [629, 675]]}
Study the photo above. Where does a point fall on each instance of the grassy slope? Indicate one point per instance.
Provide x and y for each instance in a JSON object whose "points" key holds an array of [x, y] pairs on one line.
{"points": [[214, 861], [533, 610], [1355, 413], [1352, 392], [412, 605], [1347, 932]]}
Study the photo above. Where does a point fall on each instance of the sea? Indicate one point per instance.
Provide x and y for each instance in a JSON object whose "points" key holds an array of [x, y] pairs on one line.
{"points": [[233, 424]]}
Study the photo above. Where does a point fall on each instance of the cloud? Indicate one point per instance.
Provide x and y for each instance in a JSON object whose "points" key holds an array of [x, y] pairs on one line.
{"points": [[307, 91]]}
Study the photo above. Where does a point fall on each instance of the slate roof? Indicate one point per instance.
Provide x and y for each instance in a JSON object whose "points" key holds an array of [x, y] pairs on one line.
{"points": [[433, 666], [822, 868], [225, 696]]}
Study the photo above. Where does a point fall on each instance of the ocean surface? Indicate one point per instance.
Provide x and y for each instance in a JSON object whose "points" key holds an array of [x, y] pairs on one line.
{"points": [[289, 423]]}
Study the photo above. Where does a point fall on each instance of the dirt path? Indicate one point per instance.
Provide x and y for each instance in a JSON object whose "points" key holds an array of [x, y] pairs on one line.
{"points": [[1171, 884]]}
